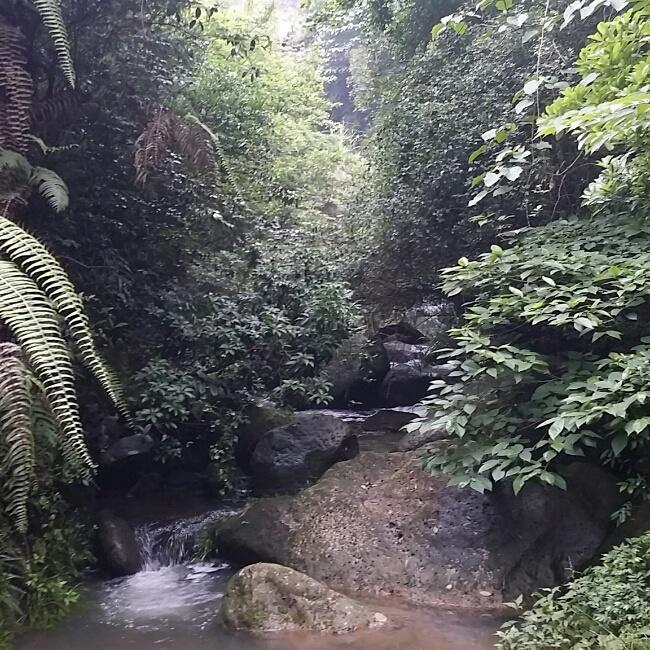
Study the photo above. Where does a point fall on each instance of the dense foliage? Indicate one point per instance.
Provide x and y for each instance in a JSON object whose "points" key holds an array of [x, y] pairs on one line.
{"points": [[552, 352], [435, 102], [606, 607], [201, 258]]}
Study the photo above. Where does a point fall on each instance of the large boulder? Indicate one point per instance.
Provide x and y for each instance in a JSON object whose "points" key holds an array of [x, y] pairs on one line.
{"points": [[259, 420], [117, 545], [124, 461], [381, 525], [404, 385], [265, 598], [289, 457]]}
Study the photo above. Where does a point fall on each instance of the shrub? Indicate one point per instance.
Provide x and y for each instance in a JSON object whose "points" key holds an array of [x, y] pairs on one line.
{"points": [[606, 607]]}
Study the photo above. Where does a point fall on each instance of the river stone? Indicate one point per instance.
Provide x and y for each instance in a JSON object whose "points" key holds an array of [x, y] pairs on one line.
{"points": [[288, 458], [380, 525], [117, 545], [260, 419], [264, 598]]}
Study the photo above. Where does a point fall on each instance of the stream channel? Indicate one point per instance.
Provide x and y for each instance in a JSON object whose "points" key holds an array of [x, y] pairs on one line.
{"points": [[173, 602]]}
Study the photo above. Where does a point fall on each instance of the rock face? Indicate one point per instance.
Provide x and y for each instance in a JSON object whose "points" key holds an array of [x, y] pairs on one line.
{"points": [[380, 525], [138, 444], [118, 550], [404, 385], [261, 418], [289, 457], [357, 371], [399, 352], [388, 420], [266, 598], [402, 331], [415, 439]]}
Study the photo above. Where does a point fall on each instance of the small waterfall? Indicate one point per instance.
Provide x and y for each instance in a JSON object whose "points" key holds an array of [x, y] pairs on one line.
{"points": [[173, 543]]}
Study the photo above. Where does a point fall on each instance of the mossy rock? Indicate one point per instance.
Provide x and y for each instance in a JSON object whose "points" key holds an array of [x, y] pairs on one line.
{"points": [[265, 598]]}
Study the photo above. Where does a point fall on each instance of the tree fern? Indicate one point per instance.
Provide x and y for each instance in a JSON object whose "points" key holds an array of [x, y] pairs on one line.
{"points": [[41, 266], [30, 317], [15, 433], [50, 11]]}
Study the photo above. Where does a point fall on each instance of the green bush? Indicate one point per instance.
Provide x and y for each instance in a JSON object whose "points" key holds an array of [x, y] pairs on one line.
{"points": [[553, 357], [606, 607]]}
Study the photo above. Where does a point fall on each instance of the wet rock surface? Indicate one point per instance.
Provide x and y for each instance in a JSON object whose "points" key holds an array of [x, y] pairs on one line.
{"points": [[264, 598], [117, 545]]}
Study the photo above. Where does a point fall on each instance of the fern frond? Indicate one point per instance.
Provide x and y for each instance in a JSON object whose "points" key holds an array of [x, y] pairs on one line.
{"points": [[194, 145], [51, 186], [16, 433], [39, 264], [28, 314], [16, 90], [214, 138], [50, 11], [152, 146], [15, 174]]}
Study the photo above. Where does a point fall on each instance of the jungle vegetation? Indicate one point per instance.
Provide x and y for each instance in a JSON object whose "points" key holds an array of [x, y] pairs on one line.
{"points": [[196, 213]]}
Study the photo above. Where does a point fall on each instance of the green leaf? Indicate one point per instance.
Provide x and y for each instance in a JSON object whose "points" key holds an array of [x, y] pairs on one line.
{"points": [[619, 443]]}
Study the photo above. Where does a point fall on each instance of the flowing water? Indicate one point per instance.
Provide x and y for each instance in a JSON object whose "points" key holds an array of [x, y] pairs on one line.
{"points": [[173, 601]]}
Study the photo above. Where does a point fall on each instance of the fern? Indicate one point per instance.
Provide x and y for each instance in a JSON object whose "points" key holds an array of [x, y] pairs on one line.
{"points": [[50, 11], [17, 177], [31, 319], [16, 90], [43, 268], [16, 433], [51, 186], [190, 138], [214, 138]]}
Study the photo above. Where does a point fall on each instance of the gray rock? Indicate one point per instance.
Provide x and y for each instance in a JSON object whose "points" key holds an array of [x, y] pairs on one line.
{"points": [[416, 439], [404, 385], [380, 525], [388, 420], [441, 371], [264, 598], [138, 444], [356, 372], [261, 418], [399, 352], [117, 546], [289, 457], [401, 331]]}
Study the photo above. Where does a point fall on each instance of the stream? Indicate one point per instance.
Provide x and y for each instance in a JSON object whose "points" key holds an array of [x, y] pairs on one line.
{"points": [[172, 602]]}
